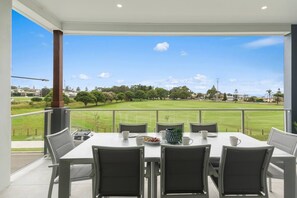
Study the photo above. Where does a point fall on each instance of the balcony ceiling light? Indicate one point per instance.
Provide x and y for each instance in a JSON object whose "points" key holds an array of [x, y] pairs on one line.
{"points": [[119, 5], [264, 7]]}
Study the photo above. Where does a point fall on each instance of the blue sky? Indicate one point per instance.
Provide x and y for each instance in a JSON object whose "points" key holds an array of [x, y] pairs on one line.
{"points": [[251, 64]]}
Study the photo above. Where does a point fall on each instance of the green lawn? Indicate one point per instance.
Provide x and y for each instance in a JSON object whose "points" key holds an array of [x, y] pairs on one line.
{"points": [[257, 123]]}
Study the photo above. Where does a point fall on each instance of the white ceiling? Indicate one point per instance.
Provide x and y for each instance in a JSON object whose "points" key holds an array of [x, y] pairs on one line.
{"points": [[162, 16]]}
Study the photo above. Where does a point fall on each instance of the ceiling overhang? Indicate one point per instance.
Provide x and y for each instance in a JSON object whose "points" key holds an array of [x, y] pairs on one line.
{"points": [[46, 19]]}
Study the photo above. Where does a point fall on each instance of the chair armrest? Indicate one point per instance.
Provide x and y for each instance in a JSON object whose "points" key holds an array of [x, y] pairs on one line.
{"points": [[53, 165]]}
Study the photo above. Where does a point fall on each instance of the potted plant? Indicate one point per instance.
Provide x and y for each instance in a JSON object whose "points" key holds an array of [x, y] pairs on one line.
{"points": [[174, 135]]}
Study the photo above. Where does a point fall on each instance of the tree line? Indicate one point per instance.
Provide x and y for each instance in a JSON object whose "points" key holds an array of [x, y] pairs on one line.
{"points": [[143, 92], [135, 92]]}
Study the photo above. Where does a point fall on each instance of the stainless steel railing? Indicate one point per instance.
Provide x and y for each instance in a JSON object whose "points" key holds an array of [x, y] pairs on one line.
{"points": [[200, 111]]}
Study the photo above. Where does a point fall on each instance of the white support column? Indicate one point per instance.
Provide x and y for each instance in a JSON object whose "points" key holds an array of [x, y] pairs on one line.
{"points": [[288, 81], [5, 67]]}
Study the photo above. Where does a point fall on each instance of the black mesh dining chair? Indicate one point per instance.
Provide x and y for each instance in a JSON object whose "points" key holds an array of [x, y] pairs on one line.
{"points": [[242, 172], [119, 171], [210, 127], [164, 126], [133, 128], [184, 171]]}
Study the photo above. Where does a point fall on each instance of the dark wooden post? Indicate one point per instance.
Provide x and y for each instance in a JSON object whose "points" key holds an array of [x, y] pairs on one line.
{"points": [[59, 117], [58, 70]]}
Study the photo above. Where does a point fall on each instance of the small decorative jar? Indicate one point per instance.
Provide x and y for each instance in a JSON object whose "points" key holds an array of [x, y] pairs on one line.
{"points": [[174, 135]]}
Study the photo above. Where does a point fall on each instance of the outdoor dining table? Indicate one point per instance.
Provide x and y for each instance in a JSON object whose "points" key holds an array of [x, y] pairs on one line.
{"points": [[82, 154]]}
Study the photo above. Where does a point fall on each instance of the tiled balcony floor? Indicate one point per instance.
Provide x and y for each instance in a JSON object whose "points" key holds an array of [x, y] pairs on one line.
{"points": [[33, 181]]}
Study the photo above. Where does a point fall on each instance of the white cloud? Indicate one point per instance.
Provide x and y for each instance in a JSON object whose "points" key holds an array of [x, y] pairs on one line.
{"points": [[83, 77], [183, 53], [162, 47], [44, 44], [203, 88], [40, 35], [200, 78], [172, 80], [104, 75], [265, 42], [232, 80], [119, 81]]}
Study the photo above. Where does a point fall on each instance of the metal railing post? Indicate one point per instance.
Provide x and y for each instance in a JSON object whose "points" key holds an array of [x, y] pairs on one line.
{"points": [[242, 121], [200, 116], [287, 121], [113, 120], [157, 116], [48, 129], [69, 122]]}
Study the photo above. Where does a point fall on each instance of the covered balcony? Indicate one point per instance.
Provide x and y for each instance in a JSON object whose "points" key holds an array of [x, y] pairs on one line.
{"points": [[132, 17]]}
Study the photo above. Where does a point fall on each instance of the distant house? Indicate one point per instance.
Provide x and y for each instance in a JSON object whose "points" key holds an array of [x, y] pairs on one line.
{"points": [[70, 94], [240, 97]]}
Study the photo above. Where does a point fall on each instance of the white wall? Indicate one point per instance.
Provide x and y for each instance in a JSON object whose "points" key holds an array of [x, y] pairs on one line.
{"points": [[288, 79], [5, 66]]}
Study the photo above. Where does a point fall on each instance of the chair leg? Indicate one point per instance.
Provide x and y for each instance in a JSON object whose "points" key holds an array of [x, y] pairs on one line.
{"points": [[149, 181], [70, 188], [50, 189], [93, 187], [270, 184]]}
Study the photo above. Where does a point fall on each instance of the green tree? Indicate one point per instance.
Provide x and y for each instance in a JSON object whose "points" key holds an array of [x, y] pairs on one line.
{"points": [[211, 93], [151, 94], [67, 88], [66, 99], [140, 94], [252, 99], [180, 92], [174, 95], [269, 92], [85, 97], [129, 95], [235, 95], [161, 93], [44, 91], [109, 96], [36, 99], [278, 95], [99, 96], [49, 98], [121, 96], [78, 89], [225, 97]]}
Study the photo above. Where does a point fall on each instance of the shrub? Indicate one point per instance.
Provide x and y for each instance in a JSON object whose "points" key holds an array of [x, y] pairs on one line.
{"points": [[36, 99]]}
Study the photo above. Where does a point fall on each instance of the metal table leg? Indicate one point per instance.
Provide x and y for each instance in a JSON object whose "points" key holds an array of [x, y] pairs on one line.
{"points": [[64, 179]]}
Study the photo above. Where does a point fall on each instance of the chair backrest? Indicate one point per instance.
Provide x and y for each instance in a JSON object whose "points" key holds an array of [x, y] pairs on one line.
{"points": [[59, 144], [210, 127], [133, 128], [164, 126], [243, 170], [283, 141], [119, 171], [184, 169]]}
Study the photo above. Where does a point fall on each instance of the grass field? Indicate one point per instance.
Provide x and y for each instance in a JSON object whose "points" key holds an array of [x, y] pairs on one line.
{"points": [[257, 123]]}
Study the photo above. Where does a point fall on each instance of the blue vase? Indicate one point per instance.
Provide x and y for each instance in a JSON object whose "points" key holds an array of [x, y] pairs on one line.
{"points": [[173, 136]]}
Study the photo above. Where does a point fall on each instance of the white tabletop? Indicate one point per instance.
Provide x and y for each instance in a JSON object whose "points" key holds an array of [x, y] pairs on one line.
{"points": [[83, 152]]}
